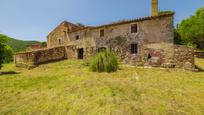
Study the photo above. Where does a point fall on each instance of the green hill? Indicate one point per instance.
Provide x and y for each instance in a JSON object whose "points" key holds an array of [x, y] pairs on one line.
{"points": [[18, 45]]}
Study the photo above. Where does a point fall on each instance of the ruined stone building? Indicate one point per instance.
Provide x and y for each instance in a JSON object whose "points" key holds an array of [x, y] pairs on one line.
{"points": [[34, 47], [142, 41]]}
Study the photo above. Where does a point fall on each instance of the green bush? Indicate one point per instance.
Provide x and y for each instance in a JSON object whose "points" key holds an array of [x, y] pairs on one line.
{"points": [[1, 54], [2, 48], [104, 61], [8, 54]]}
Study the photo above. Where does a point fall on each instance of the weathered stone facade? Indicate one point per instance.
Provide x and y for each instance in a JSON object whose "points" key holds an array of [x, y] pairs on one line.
{"points": [[184, 57], [145, 42], [152, 40], [34, 47], [24, 59], [40, 56], [154, 33], [60, 35]]}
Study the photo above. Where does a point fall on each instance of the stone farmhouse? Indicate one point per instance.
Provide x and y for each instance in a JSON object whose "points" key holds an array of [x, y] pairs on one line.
{"points": [[147, 41]]}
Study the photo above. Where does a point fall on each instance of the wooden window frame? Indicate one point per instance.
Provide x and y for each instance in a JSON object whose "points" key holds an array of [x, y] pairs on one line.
{"points": [[134, 28], [134, 48], [102, 32]]}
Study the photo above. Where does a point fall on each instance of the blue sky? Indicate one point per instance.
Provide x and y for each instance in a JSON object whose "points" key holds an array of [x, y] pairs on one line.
{"points": [[34, 19]]}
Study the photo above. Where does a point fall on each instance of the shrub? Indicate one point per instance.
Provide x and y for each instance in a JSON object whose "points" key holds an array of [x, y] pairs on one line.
{"points": [[8, 54], [104, 61], [1, 54]]}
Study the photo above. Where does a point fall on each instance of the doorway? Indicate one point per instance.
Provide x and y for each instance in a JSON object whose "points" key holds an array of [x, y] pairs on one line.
{"points": [[80, 53]]}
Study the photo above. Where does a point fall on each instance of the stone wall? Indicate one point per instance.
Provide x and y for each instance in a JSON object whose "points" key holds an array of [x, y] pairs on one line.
{"points": [[61, 32], [24, 59], [153, 36], [153, 55], [158, 54], [118, 37], [71, 52], [48, 55], [154, 39], [35, 47], [184, 57], [40, 56]]}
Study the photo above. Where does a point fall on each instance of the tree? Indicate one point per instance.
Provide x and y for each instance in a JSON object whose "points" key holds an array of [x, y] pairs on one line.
{"points": [[191, 30], [177, 38], [2, 45], [44, 43], [3, 38], [6, 52]]}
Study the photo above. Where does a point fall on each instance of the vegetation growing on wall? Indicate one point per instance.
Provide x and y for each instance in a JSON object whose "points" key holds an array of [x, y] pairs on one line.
{"points": [[166, 12]]}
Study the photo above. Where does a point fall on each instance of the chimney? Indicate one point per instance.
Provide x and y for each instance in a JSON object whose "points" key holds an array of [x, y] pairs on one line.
{"points": [[154, 9]]}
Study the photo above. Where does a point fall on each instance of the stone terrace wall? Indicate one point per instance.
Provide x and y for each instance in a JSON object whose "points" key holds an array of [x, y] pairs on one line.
{"points": [[40, 56], [24, 59], [184, 57], [47, 55], [160, 54]]}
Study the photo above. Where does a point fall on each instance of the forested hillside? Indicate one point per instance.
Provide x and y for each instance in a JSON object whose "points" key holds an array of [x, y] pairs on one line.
{"points": [[18, 45]]}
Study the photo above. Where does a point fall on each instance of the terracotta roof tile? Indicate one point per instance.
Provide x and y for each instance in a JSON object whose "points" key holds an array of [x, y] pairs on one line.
{"points": [[120, 23], [134, 20]]}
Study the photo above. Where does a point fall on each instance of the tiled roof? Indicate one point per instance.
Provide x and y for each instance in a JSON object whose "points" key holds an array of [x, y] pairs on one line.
{"points": [[123, 22], [134, 20], [66, 23]]}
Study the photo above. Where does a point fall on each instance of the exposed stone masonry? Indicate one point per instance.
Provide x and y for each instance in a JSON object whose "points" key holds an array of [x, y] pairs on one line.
{"points": [[35, 47], [184, 57], [40, 56], [153, 38]]}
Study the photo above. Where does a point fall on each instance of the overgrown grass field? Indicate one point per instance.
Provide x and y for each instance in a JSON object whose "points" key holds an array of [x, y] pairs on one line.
{"points": [[68, 87]]}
